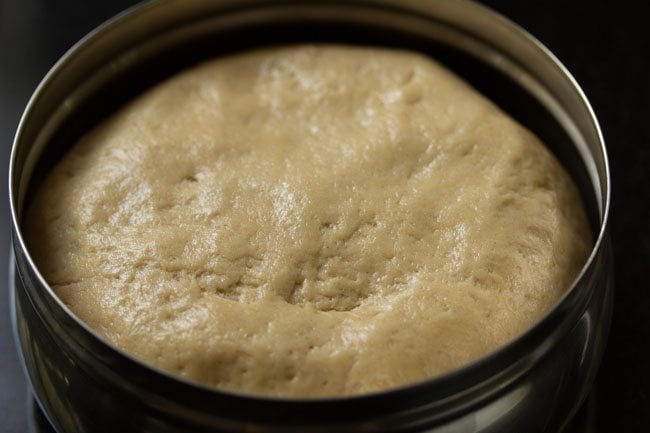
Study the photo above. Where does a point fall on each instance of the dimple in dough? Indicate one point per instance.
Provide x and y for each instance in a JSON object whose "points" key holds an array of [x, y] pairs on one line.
{"points": [[309, 221]]}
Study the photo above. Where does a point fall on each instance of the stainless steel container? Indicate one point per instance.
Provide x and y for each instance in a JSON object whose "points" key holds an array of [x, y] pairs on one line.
{"points": [[533, 384]]}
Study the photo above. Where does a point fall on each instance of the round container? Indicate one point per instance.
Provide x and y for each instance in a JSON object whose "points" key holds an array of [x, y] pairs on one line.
{"points": [[533, 384]]}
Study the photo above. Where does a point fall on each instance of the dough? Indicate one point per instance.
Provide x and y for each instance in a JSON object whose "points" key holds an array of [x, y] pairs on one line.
{"points": [[309, 221]]}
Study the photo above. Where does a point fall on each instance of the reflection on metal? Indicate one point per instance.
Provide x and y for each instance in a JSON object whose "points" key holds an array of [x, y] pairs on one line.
{"points": [[502, 409]]}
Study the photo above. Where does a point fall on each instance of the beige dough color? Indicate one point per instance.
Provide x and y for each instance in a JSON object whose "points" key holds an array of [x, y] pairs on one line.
{"points": [[309, 221]]}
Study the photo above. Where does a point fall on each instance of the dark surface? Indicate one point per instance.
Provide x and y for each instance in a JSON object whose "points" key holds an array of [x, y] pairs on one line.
{"points": [[605, 45]]}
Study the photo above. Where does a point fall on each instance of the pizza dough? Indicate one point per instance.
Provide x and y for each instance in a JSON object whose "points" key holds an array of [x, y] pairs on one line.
{"points": [[309, 221]]}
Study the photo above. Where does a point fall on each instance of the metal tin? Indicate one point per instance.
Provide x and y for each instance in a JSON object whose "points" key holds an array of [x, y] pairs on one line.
{"points": [[533, 384]]}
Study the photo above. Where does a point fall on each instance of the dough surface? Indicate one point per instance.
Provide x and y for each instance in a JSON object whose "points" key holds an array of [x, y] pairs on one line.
{"points": [[309, 221]]}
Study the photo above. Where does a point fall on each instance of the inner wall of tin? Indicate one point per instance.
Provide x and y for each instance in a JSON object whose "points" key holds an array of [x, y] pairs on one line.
{"points": [[144, 63]]}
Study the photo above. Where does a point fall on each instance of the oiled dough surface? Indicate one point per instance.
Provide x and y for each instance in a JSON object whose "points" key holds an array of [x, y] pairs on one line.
{"points": [[309, 221]]}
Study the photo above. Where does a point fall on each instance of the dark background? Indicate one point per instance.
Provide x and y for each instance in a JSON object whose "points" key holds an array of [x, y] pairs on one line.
{"points": [[605, 45]]}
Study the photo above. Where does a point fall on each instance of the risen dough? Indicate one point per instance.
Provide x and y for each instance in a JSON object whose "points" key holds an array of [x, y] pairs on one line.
{"points": [[309, 221]]}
